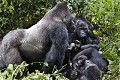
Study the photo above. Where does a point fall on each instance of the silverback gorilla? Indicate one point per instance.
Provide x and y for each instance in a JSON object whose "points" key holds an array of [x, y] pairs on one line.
{"points": [[45, 41]]}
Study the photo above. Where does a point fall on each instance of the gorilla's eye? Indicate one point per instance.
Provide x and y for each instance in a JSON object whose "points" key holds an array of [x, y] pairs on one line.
{"points": [[65, 16], [82, 28], [87, 62]]}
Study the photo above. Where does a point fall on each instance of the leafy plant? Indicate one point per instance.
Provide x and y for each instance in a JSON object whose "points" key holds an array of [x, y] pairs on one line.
{"points": [[103, 14]]}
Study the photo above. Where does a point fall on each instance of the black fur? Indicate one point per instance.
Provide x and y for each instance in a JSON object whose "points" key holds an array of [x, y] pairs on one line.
{"points": [[93, 55], [83, 42], [83, 69]]}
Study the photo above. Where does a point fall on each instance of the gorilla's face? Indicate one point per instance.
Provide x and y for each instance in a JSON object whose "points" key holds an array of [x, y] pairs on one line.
{"points": [[81, 60], [81, 29], [91, 71], [68, 21], [67, 17]]}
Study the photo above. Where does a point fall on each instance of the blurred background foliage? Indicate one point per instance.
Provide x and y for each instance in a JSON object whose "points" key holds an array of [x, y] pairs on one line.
{"points": [[103, 14]]}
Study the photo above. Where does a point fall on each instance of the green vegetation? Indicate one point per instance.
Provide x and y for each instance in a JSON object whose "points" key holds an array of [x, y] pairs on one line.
{"points": [[103, 14]]}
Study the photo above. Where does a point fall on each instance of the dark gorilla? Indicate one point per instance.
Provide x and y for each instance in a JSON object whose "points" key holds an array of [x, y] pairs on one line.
{"points": [[93, 55], [73, 72], [45, 41], [79, 61], [83, 69]]}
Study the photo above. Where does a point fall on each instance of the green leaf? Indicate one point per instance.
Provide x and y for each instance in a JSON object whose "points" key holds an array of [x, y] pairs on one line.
{"points": [[46, 64], [10, 67], [4, 2]]}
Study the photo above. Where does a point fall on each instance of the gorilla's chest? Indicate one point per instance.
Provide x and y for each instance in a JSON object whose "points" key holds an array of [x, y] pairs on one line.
{"points": [[38, 47]]}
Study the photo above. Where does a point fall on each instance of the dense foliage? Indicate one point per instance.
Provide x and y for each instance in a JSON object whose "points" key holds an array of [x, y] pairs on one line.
{"points": [[103, 14]]}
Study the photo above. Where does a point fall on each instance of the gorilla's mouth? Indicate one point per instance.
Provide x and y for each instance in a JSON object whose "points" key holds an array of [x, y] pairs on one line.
{"points": [[82, 36]]}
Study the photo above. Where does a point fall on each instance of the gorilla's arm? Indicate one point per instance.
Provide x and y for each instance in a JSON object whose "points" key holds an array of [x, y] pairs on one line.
{"points": [[87, 52], [9, 53], [90, 45], [95, 39], [56, 53]]}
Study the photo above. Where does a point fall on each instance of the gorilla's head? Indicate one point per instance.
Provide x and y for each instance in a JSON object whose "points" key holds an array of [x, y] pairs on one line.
{"points": [[81, 29], [81, 60], [61, 13], [91, 71], [81, 17]]}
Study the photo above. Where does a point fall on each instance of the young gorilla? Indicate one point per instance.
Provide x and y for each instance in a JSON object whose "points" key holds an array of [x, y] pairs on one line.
{"points": [[93, 55], [45, 41], [90, 71], [83, 69]]}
